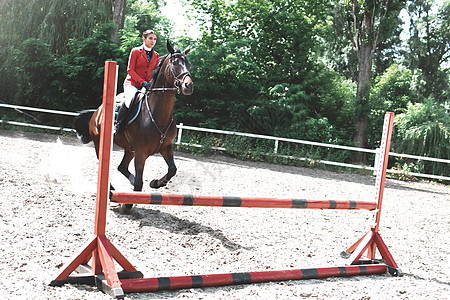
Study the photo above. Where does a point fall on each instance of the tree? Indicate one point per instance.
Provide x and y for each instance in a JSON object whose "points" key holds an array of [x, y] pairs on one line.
{"points": [[392, 90], [429, 48], [225, 84], [118, 10], [54, 22], [424, 129], [276, 39], [284, 36], [366, 21], [54, 51]]}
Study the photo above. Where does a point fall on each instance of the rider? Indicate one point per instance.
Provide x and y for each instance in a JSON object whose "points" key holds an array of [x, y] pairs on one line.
{"points": [[142, 61]]}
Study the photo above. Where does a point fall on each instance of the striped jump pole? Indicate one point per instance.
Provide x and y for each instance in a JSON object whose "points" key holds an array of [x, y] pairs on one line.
{"points": [[104, 256], [201, 281], [224, 201]]}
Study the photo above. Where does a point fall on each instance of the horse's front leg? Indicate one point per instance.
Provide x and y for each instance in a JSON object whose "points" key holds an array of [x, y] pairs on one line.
{"points": [[139, 162], [167, 154], [123, 167]]}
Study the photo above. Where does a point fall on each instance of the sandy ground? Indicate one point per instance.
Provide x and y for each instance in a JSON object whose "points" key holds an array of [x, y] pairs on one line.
{"points": [[47, 195]]}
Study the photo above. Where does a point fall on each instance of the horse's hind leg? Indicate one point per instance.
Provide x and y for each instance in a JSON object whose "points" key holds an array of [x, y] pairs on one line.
{"points": [[167, 154], [123, 167]]}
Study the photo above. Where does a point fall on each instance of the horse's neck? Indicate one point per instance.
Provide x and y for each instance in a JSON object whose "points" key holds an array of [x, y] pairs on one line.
{"points": [[161, 102], [161, 80]]}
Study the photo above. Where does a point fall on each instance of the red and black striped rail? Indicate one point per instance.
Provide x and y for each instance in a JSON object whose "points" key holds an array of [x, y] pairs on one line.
{"points": [[200, 281], [224, 201]]}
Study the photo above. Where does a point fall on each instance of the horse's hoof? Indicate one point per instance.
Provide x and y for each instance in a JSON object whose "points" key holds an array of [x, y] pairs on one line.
{"points": [[154, 184], [126, 208]]}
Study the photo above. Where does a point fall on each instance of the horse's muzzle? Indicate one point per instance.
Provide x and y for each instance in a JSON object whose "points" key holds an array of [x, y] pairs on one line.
{"points": [[187, 87]]}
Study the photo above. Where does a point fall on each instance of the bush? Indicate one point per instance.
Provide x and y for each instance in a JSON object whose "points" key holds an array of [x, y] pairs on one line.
{"points": [[424, 129]]}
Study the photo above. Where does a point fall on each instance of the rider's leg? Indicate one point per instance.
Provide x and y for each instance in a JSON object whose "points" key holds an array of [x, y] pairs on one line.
{"points": [[129, 92]]}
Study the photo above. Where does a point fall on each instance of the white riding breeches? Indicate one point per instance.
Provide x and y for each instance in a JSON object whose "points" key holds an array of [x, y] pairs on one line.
{"points": [[129, 92]]}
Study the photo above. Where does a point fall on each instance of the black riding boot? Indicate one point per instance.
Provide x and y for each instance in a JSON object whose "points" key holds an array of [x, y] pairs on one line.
{"points": [[121, 118]]}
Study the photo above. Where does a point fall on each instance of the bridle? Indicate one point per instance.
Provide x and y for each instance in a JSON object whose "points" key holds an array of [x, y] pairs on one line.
{"points": [[178, 79]]}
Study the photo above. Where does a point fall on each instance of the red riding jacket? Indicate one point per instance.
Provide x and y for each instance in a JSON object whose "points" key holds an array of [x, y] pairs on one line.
{"points": [[139, 68]]}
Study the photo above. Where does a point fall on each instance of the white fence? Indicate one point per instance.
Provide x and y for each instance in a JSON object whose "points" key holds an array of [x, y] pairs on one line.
{"points": [[181, 127]]}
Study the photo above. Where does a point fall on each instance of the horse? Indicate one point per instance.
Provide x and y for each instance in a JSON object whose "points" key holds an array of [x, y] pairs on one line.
{"points": [[154, 129]]}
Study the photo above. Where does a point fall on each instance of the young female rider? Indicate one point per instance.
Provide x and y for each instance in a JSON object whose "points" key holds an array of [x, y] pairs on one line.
{"points": [[142, 61]]}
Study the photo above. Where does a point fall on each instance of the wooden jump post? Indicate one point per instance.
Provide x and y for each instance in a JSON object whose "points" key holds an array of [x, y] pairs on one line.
{"points": [[102, 253]]}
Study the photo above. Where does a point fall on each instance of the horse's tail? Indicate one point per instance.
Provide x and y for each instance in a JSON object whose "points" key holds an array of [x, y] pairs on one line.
{"points": [[81, 125]]}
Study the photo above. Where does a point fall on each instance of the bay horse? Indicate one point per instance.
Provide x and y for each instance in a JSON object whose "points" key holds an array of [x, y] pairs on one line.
{"points": [[154, 128]]}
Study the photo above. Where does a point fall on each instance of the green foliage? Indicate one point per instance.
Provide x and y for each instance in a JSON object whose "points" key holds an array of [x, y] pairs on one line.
{"points": [[318, 109], [424, 129], [140, 16], [73, 81], [53, 22], [392, 90], [62, 67], [283, 68], [36, 71], [389, 44], [429, 49], [87, 61], [367, 24], [224, 79], [8, 71], [287, 113], [255, 69], [283, 36]]}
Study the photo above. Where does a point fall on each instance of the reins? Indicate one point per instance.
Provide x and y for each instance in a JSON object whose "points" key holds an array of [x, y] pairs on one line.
{"points": [[163, 89]]}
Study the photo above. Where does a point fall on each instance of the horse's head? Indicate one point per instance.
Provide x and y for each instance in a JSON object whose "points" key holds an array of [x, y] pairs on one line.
{"points": [[180, 67]]}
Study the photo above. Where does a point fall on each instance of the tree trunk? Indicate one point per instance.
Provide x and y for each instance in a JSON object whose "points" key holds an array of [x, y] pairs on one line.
{"points": [[364, 20], [118, 10], [365, 58]]}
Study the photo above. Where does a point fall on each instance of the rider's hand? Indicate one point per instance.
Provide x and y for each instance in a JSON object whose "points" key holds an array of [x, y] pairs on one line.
{"points": [[146, 85]]}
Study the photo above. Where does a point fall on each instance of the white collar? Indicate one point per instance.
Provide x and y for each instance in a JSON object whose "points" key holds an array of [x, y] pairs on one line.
{"points": [[146, 48]]}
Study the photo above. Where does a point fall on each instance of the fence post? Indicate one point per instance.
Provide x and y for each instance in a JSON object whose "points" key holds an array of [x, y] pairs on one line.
{"points": [[377, 158], [180, 132], [275, 150]]}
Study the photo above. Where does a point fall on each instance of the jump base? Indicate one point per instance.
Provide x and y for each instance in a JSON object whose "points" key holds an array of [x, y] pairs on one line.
{"points": [[133, 282]]}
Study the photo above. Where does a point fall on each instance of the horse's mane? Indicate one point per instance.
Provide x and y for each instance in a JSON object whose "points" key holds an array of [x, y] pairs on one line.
{"points": [[158, 68]]}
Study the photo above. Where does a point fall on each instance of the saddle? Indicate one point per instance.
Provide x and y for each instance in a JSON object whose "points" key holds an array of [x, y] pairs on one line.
{"points": [[133, 111]]}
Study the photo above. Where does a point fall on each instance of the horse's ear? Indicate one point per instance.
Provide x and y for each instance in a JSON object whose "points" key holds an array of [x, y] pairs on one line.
{"points": [[170, 48], [187, 50]]}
